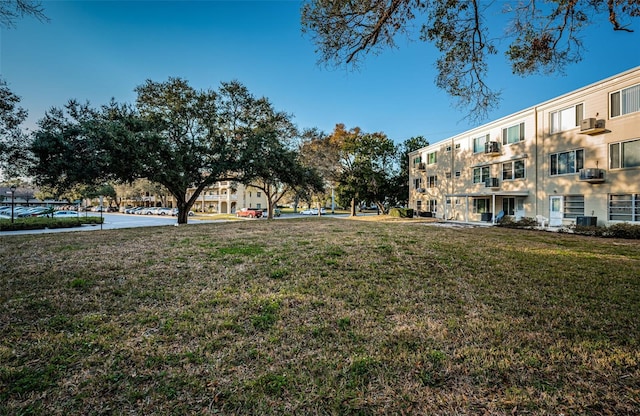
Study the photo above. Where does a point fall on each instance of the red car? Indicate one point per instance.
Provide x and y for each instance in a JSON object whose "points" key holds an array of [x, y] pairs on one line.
{"points": [[249, 212]]}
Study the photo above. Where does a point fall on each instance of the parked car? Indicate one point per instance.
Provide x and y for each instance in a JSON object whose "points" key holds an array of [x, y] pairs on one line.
{"points": [[313, 211], [163, 211], [276, 212], [249, 213], [174, 212], [65, 214]]}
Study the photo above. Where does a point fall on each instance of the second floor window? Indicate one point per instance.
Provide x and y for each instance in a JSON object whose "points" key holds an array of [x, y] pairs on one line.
{"points": [[513, 134], [432, 158], [625, 101], [432, 181], [567, 162], [624, 154], [566, 119], [478, 143]]}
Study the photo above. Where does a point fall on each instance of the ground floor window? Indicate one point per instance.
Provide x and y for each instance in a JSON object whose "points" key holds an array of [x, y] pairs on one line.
{"points": [[624, 207], [419, 205], [433, 205], [480, 205], [573, 206], [508, 206]]}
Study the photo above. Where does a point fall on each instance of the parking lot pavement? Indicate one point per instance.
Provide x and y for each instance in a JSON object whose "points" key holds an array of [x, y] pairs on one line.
{"points": [[111, 221]]}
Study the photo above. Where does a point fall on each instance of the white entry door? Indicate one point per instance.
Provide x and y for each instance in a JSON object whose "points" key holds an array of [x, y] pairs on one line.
{"points": [[555, 211], [519, 211]]}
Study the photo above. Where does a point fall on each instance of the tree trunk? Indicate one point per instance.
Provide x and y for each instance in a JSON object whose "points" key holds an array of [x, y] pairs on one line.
{"points": [[353, 207], [183, 212]]}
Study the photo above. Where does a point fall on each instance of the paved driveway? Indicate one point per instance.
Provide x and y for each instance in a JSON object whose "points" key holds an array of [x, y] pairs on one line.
{"points": [[112, 221]]}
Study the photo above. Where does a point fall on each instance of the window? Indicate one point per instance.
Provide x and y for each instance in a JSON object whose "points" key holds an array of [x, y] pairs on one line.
{"points": [[478, 143], [508, 206], [432, 158], [447, 175], [625, 101], [567, 162], [513, 170], [417, 160], [480, 205], [624, 154], [432, 205], [567, 118], [573, 206], [417, 183], [457, 145], [419, 205], [457, 174], [625, 207], [480, 174], [513, 134], [258, 194], [432, 181]]}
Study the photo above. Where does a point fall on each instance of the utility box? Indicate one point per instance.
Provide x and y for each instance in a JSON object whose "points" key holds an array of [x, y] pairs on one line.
{"points": [[587, 221], [486, 216]]}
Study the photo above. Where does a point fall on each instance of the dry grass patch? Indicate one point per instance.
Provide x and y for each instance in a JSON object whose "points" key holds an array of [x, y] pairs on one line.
{"points": [[319, 316]]}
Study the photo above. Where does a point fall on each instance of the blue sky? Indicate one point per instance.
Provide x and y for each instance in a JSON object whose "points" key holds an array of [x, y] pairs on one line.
{"points": [[96, 50]]}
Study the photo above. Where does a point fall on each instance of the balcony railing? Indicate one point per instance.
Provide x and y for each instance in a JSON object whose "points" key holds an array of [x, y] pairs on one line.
{"points": [[422, 166], [592, 175]]}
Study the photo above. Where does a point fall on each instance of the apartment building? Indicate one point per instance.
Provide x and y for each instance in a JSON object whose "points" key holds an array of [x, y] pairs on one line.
{"points": [[225, 197], [572, 159]]}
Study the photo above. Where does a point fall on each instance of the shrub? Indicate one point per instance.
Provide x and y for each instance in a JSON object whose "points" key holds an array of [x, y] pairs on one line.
{"points": [[592, 230], [40, 223], [401, 212], [624, 230], [525, 222]]}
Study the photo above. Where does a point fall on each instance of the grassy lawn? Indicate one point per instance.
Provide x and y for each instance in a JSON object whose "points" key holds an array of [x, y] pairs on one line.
{"points": [[319, 316]]}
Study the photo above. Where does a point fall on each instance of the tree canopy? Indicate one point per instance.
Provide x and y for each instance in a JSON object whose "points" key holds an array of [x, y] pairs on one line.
{"points": [[360, 165], [544, 36], [12, 10], [182, 138], [12, 138]]}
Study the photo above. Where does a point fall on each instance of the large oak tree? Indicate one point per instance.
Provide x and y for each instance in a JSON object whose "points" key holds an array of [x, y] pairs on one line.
{"points": [[545, 35]]}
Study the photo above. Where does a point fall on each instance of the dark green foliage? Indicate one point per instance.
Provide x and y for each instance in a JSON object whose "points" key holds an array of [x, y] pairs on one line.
{"points": [[624, 230], [525, 222], [401, 212], [40, 223]]}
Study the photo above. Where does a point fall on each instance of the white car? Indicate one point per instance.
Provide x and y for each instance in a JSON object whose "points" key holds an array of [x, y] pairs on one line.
{"points": [[313, 211], [65, 214]]}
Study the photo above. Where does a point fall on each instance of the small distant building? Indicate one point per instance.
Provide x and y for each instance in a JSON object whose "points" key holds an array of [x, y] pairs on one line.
{"points": [[225, 197]]}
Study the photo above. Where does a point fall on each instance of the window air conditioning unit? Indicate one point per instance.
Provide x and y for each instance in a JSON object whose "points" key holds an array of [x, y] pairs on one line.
{"points": [[591, 126], [492, 148]]}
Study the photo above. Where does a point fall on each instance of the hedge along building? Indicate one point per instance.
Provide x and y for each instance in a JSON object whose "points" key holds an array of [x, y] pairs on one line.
{"points": [[572, 159]]}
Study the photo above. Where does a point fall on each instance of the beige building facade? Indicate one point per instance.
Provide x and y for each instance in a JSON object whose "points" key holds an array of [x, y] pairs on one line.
{"points": [[572, 159], [226, 197]]}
